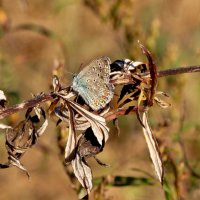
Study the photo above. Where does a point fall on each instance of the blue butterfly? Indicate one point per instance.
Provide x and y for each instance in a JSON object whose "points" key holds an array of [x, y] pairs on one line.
{"points": [[93, 83]]}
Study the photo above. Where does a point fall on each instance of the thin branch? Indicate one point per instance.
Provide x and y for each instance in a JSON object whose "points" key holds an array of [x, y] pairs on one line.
{"points": [[179, 70], [24, 105], [109, 116], [113, 114]]}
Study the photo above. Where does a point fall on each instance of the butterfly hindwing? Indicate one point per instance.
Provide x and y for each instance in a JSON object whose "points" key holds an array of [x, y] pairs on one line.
{"points": [[92, 83]]}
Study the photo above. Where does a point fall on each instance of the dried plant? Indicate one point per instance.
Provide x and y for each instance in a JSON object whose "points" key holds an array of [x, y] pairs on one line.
{"points": [[87, 129]]}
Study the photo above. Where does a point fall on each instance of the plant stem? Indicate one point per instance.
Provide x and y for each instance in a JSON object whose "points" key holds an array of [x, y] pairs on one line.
{"points": [[179, 70], [25, 105]]}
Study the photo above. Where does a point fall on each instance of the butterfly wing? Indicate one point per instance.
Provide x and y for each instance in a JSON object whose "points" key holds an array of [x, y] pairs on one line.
{"points": [[92, 83], [99, 95]]}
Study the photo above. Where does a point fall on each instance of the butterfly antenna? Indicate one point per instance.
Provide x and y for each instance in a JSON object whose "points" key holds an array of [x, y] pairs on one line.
{"points": [[80, 67]]}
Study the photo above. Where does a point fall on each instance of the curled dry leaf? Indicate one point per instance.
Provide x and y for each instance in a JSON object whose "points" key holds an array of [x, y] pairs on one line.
{"points": [[20, 138], [41, 130], [88, 145], [98, 123], [153, 73], [83, 172], [71, 142], [63, 114], [126, 98], [130, 95], [161, 103], [153, 148], [141, 99]]}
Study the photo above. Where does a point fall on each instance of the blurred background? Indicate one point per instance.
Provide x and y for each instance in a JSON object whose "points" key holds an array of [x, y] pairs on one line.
{"points": [[36, 34]]}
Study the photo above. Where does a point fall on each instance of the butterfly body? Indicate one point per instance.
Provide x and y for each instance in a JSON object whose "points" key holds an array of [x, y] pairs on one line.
{"points": [[93, 85]]}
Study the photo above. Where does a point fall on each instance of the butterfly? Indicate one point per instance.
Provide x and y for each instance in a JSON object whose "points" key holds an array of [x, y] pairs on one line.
{"points": [[93, 83]]}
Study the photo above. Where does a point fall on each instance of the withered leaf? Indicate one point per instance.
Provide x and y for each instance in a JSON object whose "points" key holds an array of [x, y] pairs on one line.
{"points": [[153, 73], [153, 148], [141, 98], [71, 142], [20, 138], [126, 98], [98, 123], [16, 162], [43, 127], [88, 145], [161, 103], [83, 172]]}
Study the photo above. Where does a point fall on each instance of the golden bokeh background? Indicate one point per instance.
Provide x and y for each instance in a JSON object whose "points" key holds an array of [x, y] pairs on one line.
{"points": [[36, 33]]}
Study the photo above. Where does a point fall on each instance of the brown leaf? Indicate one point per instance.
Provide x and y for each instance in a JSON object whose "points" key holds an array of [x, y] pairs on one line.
{"points": [[16, 162], [161, 103], [153, 73], [24, 136], [71, 142], [153, 148], [88, 145], [97, 122], [52, 107], [141, 98], [43, 127], [83, 172], [125, 98]]}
